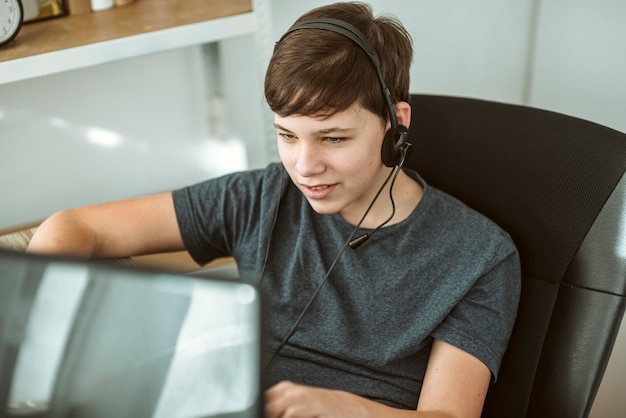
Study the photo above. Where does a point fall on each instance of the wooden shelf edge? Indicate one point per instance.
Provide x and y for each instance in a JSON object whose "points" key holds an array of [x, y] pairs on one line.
{"points": [[126, 47], [142, 16]]}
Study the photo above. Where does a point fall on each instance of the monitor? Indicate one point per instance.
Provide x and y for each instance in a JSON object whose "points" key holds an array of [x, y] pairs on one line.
{"points": [[90, 339]]}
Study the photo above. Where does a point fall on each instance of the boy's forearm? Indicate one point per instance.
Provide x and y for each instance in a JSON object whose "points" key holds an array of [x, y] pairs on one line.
{"points": [[63, 234], [291, 399], [377, 410]]}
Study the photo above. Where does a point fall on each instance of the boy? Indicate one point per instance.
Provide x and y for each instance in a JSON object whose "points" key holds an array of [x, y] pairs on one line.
{"points": [[413, 322]]}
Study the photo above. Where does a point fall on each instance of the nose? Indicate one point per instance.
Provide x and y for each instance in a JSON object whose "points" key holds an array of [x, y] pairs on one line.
{"points": [[309, 160]]}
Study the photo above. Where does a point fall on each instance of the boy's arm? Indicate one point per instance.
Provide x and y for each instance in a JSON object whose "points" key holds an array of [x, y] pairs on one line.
{"points": [[116, 229], [455, 386]]}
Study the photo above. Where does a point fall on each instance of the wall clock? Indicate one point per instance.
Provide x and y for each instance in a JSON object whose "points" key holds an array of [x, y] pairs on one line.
{"points": [[11, 18]]}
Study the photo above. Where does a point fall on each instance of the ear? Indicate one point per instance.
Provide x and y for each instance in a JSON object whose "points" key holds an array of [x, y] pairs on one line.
{"points": [[403, 110]]}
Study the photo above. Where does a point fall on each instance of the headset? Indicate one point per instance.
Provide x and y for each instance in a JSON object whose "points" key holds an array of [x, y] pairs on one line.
{"points": [[395, 145]]}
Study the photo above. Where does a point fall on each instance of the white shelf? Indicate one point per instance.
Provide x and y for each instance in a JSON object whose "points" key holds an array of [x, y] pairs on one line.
{"points": [[126, 47]]}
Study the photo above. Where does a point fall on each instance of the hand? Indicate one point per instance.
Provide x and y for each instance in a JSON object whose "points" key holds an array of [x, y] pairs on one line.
{"points": [[290, 400]]}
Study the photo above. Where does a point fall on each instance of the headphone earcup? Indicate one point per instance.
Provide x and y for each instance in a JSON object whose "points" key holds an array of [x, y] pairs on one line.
{"points": [[394, 141]]}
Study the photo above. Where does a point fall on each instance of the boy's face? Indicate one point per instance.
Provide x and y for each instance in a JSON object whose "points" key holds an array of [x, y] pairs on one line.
{"points": [[335, 161]]}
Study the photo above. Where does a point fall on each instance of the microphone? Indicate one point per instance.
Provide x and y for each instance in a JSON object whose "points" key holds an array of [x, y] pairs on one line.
{"points": [[358, 241]]}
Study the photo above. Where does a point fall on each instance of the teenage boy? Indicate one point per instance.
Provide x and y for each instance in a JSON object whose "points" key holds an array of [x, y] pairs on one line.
{"points": [[414, 321]]}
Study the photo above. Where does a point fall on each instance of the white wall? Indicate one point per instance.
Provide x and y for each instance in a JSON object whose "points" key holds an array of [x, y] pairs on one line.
{"points": [[99, 133], [126, 128], [580, 62]]}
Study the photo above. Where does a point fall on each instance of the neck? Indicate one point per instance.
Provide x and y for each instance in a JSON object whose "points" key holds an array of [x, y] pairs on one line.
{"points": [[406, 195]]}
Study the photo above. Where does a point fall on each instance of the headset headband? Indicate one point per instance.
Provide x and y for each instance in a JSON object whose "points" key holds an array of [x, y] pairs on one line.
{"points": [[348, 30]]}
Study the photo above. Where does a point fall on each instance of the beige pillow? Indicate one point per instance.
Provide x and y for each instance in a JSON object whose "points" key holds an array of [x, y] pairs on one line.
{"points": [[17, 241]]}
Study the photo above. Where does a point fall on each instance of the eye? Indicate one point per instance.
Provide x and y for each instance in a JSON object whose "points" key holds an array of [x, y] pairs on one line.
{"points": [[286, 136], [335, 140]]}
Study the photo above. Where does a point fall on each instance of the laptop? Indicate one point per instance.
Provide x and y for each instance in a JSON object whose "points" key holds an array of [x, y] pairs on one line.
{"points": [[86, 339]]}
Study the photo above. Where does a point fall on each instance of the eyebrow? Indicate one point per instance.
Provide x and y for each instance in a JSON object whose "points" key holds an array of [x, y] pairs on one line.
{"points": [[321, 131]]}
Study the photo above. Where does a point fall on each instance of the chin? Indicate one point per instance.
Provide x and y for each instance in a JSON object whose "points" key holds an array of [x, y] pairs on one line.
{"points": [[324, 209]]}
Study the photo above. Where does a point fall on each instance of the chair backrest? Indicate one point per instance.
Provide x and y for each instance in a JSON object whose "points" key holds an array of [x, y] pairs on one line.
{"points": [[556, 184]]}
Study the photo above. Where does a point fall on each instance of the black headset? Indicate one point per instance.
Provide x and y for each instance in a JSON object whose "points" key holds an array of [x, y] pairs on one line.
{"points": [[395, 145]]}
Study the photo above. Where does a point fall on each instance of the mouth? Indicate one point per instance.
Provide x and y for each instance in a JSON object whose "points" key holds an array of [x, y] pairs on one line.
{"points": [[318, 191]]}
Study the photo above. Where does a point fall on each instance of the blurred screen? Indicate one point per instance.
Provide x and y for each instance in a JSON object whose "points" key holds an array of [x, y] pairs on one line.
{"points": [[93, 340]]}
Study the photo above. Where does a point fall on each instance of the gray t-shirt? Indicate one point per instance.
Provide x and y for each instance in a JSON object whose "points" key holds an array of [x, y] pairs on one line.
{"points": [[445, 272]]}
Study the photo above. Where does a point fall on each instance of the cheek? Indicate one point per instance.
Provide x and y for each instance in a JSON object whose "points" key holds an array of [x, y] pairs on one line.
{"points": [[285, 155], [372, 156], [359, 163]]}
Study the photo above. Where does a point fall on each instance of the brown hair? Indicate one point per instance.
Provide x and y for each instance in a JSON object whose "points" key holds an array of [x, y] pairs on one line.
{"points": [[316, 72]]}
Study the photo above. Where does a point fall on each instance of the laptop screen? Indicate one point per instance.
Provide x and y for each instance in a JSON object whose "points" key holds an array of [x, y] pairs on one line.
{"points": [[93, 340]]}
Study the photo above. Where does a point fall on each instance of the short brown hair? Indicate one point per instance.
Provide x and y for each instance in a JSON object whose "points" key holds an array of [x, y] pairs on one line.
{"points": [[315, 72]]}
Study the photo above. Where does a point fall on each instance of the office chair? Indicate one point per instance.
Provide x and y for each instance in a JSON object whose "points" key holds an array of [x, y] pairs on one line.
{"points": [[556, 184]]}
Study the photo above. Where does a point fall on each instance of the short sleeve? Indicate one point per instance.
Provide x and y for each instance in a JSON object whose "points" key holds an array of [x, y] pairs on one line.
{"points": [[482, 322]]}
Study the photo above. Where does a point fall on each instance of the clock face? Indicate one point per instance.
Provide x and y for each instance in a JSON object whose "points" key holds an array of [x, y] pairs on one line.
{"points": [[11, 15]]}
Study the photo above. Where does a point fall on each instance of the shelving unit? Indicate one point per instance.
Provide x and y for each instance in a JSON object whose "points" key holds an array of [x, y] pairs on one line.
{"points": [[143, 27], [157, 74]]}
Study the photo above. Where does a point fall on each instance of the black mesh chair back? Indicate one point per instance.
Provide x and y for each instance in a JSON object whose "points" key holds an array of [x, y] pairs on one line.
{"points": [[556, 184]]}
